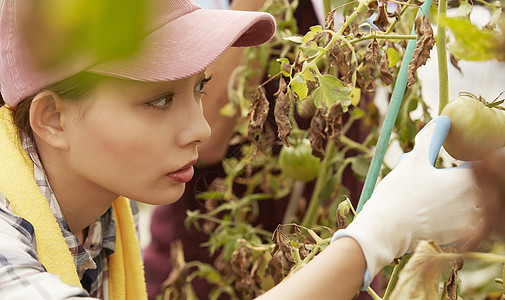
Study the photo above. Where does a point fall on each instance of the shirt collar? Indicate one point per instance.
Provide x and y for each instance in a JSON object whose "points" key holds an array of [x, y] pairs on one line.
{"points": [[101, 233]]}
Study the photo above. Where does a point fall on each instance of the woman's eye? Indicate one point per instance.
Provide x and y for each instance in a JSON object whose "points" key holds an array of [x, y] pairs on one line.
{"points": [[199, 87], [162, 102]]}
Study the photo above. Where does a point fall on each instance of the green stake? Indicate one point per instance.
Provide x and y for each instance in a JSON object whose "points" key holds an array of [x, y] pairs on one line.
{"points": [[389, 121]]}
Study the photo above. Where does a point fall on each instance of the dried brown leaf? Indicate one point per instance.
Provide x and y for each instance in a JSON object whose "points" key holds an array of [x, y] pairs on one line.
{"points": [[241, 262], [365, 80], [258, 116], [347, 67], [424, 44], [372, 6], [381, 21], [317, 135], [281, 113], [420, 277], [451, 287], [386, 76], [176, 280], [311, 86], [329, 20], [396, 13], [282, 244], [336, 54], [274, 269], [372, 52], [334, 123]]}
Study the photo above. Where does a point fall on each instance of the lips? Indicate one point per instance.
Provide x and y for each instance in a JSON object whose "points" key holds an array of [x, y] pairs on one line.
{"points": [[184, 174]]}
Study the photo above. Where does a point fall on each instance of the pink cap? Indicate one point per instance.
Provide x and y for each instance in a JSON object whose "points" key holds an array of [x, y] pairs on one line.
{"points": [[181, 40]]}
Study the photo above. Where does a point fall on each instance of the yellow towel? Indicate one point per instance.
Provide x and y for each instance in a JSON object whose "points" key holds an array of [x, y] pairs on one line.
{"points": [[17, 184]]}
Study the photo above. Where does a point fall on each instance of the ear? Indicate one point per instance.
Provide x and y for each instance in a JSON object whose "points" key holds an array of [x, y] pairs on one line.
{"points": [[45, 119]]}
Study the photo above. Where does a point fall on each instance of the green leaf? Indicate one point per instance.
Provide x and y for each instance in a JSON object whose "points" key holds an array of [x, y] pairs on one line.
{"points": [[358, 112], [284, 66], [310, 50], [299, 86], [209, 273], [496, 13], [360, 166], [314, 31], [330, 91], [355, 96], [472, 43], [295, 39], [464, 9], [393, 57]]}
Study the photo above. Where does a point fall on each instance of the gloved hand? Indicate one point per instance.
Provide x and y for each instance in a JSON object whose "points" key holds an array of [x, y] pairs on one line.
{"points": [[415, 202]]}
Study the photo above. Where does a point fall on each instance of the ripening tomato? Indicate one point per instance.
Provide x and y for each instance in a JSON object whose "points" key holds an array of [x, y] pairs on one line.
{"points": [[477, 128], [297, 161]]}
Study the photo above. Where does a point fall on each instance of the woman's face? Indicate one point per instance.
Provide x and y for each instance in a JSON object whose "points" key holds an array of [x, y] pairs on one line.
{"points": [[138, 139]]}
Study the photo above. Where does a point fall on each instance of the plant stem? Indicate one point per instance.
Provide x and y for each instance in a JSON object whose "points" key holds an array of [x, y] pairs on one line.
{"points": [[385, 37], [394, 277], [322, 179], [443, 76], [373, 294], [336, 36], [355, 145]]}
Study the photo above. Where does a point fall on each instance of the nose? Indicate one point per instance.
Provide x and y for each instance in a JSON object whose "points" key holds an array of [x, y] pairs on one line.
{"points": [[196, 129]]}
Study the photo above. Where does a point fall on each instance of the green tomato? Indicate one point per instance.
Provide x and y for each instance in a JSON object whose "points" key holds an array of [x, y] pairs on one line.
{"points": [[297, 162], [476, 128]]}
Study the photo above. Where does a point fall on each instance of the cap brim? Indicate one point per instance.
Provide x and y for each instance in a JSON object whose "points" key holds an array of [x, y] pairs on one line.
{"points": [[189, 44]]}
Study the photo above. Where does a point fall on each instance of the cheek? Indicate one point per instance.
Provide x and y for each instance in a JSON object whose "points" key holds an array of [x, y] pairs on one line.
{"points": [[119, 146]]}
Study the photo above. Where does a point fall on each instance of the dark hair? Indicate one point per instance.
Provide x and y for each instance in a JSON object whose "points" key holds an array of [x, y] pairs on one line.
{"points": [[74, 88]]}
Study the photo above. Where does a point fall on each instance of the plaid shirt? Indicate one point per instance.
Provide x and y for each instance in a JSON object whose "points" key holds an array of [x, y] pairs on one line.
{"points": [[21, 274]]}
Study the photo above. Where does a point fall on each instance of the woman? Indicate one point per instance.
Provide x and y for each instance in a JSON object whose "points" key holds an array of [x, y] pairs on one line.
{"points": [[77, 136], [96, 130]]}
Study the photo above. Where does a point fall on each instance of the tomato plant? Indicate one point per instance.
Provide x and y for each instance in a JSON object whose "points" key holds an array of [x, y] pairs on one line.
{"points": [[477, 127], [297, 161], [326, 92]]}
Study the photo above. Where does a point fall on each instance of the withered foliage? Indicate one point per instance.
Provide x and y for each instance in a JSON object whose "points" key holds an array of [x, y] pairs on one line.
{"points": [[282, 261], [334, 123], [174, 285], [329, 20], [336, 55], [325, 126], [365, 80], [381, 21], [282, 245], [372, 52], [258, 115], [424, 44], [244, 269], [317, 135], [372, 6], [386, 76], [451, 287], [347, 67], [281, 112]]}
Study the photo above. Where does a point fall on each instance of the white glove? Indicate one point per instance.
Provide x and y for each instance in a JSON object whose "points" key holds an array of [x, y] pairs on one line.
{"points": [[415, 202]]}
